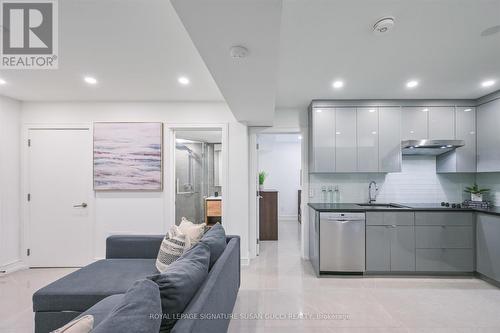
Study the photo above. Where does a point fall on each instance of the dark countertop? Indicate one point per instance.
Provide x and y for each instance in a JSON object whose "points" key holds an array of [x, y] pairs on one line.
{"points": [[353, 207]]}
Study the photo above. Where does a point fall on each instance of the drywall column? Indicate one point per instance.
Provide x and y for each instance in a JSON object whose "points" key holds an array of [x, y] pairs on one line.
{"points": [[10, 226]]}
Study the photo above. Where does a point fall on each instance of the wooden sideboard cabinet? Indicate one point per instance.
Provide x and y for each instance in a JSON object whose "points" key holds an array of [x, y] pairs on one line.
{"points": [[268, 215], [213, 210]]}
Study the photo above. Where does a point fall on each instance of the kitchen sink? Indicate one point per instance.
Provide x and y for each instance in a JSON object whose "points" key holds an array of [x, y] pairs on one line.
{"points": [[382, 205]]}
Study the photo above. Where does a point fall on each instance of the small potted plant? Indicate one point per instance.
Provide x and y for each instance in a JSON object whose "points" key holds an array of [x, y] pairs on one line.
{"points": [[262, 178], [476, 193]]}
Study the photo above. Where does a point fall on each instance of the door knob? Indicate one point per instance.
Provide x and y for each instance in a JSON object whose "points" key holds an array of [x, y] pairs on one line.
{"points": [[83, 205]]}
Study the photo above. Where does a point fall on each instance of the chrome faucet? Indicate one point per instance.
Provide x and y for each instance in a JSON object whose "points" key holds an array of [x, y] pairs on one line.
{"points": [[374, 198]]}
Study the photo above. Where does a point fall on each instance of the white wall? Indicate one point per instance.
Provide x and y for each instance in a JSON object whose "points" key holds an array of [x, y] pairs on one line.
{"points": [[10, 127], [417, 183], [147, 213], [279, 157]]}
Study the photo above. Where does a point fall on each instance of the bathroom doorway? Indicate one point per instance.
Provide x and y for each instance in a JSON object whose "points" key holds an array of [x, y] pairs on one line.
{"points": [[198, 175]]}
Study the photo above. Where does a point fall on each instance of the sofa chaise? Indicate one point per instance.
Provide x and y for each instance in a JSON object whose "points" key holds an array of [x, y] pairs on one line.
{"points": [[98, 287]]}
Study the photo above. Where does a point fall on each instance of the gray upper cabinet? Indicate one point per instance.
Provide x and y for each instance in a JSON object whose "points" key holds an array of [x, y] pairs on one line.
{"points": [[488, 138], [466, 131], [389, 139], [414, 123], [462, 159], [322, 140], [368, 139], [441, 123], [345, 140]]}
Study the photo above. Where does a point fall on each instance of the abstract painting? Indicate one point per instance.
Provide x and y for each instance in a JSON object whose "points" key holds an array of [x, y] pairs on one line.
{"points": [[128, 156]]}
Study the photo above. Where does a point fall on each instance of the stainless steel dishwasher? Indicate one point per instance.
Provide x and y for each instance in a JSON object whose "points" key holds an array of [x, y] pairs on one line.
{"points": [[342, 243]]}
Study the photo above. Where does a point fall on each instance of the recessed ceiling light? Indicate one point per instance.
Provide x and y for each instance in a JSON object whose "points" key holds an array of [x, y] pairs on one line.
{"points": [[183, 80], [338, 133], [425, 110], [90, 80], [467, 110], [412, 84], [338, 84], [319, 111], [300, 137], [371, 110], [488, 83], [238, 52], [2, 81], [374, 132]]}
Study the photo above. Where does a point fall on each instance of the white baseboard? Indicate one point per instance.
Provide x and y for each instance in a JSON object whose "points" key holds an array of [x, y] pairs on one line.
{"points": [[12, 267]]}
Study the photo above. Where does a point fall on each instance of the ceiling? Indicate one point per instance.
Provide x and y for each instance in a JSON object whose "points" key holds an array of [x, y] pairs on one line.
{"points": [[436, 42], [136, 49], [248, 84]]}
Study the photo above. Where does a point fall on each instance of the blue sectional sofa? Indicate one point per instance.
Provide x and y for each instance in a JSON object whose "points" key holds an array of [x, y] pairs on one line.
{"points": [[97, 288]]}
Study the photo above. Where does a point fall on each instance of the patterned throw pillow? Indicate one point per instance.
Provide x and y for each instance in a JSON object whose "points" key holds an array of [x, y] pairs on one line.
{"points": [[172, 247], [193, 231]]}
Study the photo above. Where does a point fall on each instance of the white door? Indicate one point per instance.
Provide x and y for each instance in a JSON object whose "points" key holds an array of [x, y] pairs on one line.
{"points": [[59, 185]]}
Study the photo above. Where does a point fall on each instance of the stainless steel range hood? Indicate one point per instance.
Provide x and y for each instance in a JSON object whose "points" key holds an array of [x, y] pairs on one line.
{"points": [[429, 147]]}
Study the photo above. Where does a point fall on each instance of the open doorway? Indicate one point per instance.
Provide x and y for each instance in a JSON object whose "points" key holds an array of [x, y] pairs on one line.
{"points": [[280, 185], [198, 175]]}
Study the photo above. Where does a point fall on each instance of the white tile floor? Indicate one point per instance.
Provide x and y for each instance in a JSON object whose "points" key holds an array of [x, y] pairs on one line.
{"points": [[278, 283], [16, 290]]}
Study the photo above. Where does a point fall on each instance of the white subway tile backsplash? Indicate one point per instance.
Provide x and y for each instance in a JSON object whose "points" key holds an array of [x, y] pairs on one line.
{"points": [[417, 183], [491, 181]]}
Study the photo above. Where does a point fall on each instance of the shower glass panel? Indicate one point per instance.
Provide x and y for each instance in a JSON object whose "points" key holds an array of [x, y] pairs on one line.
{"points": [[197, 172]]}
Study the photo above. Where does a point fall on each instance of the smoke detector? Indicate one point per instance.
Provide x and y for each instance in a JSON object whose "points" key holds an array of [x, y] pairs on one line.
{"points": [[238, 52], [383, 25]]}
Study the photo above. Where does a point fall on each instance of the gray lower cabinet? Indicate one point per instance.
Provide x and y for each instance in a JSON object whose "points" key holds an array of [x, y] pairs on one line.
{"points": [[445, 260], [390, 242], [488, 246], [448, 237], [378, 249], [314, 239], [444, 241]]}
